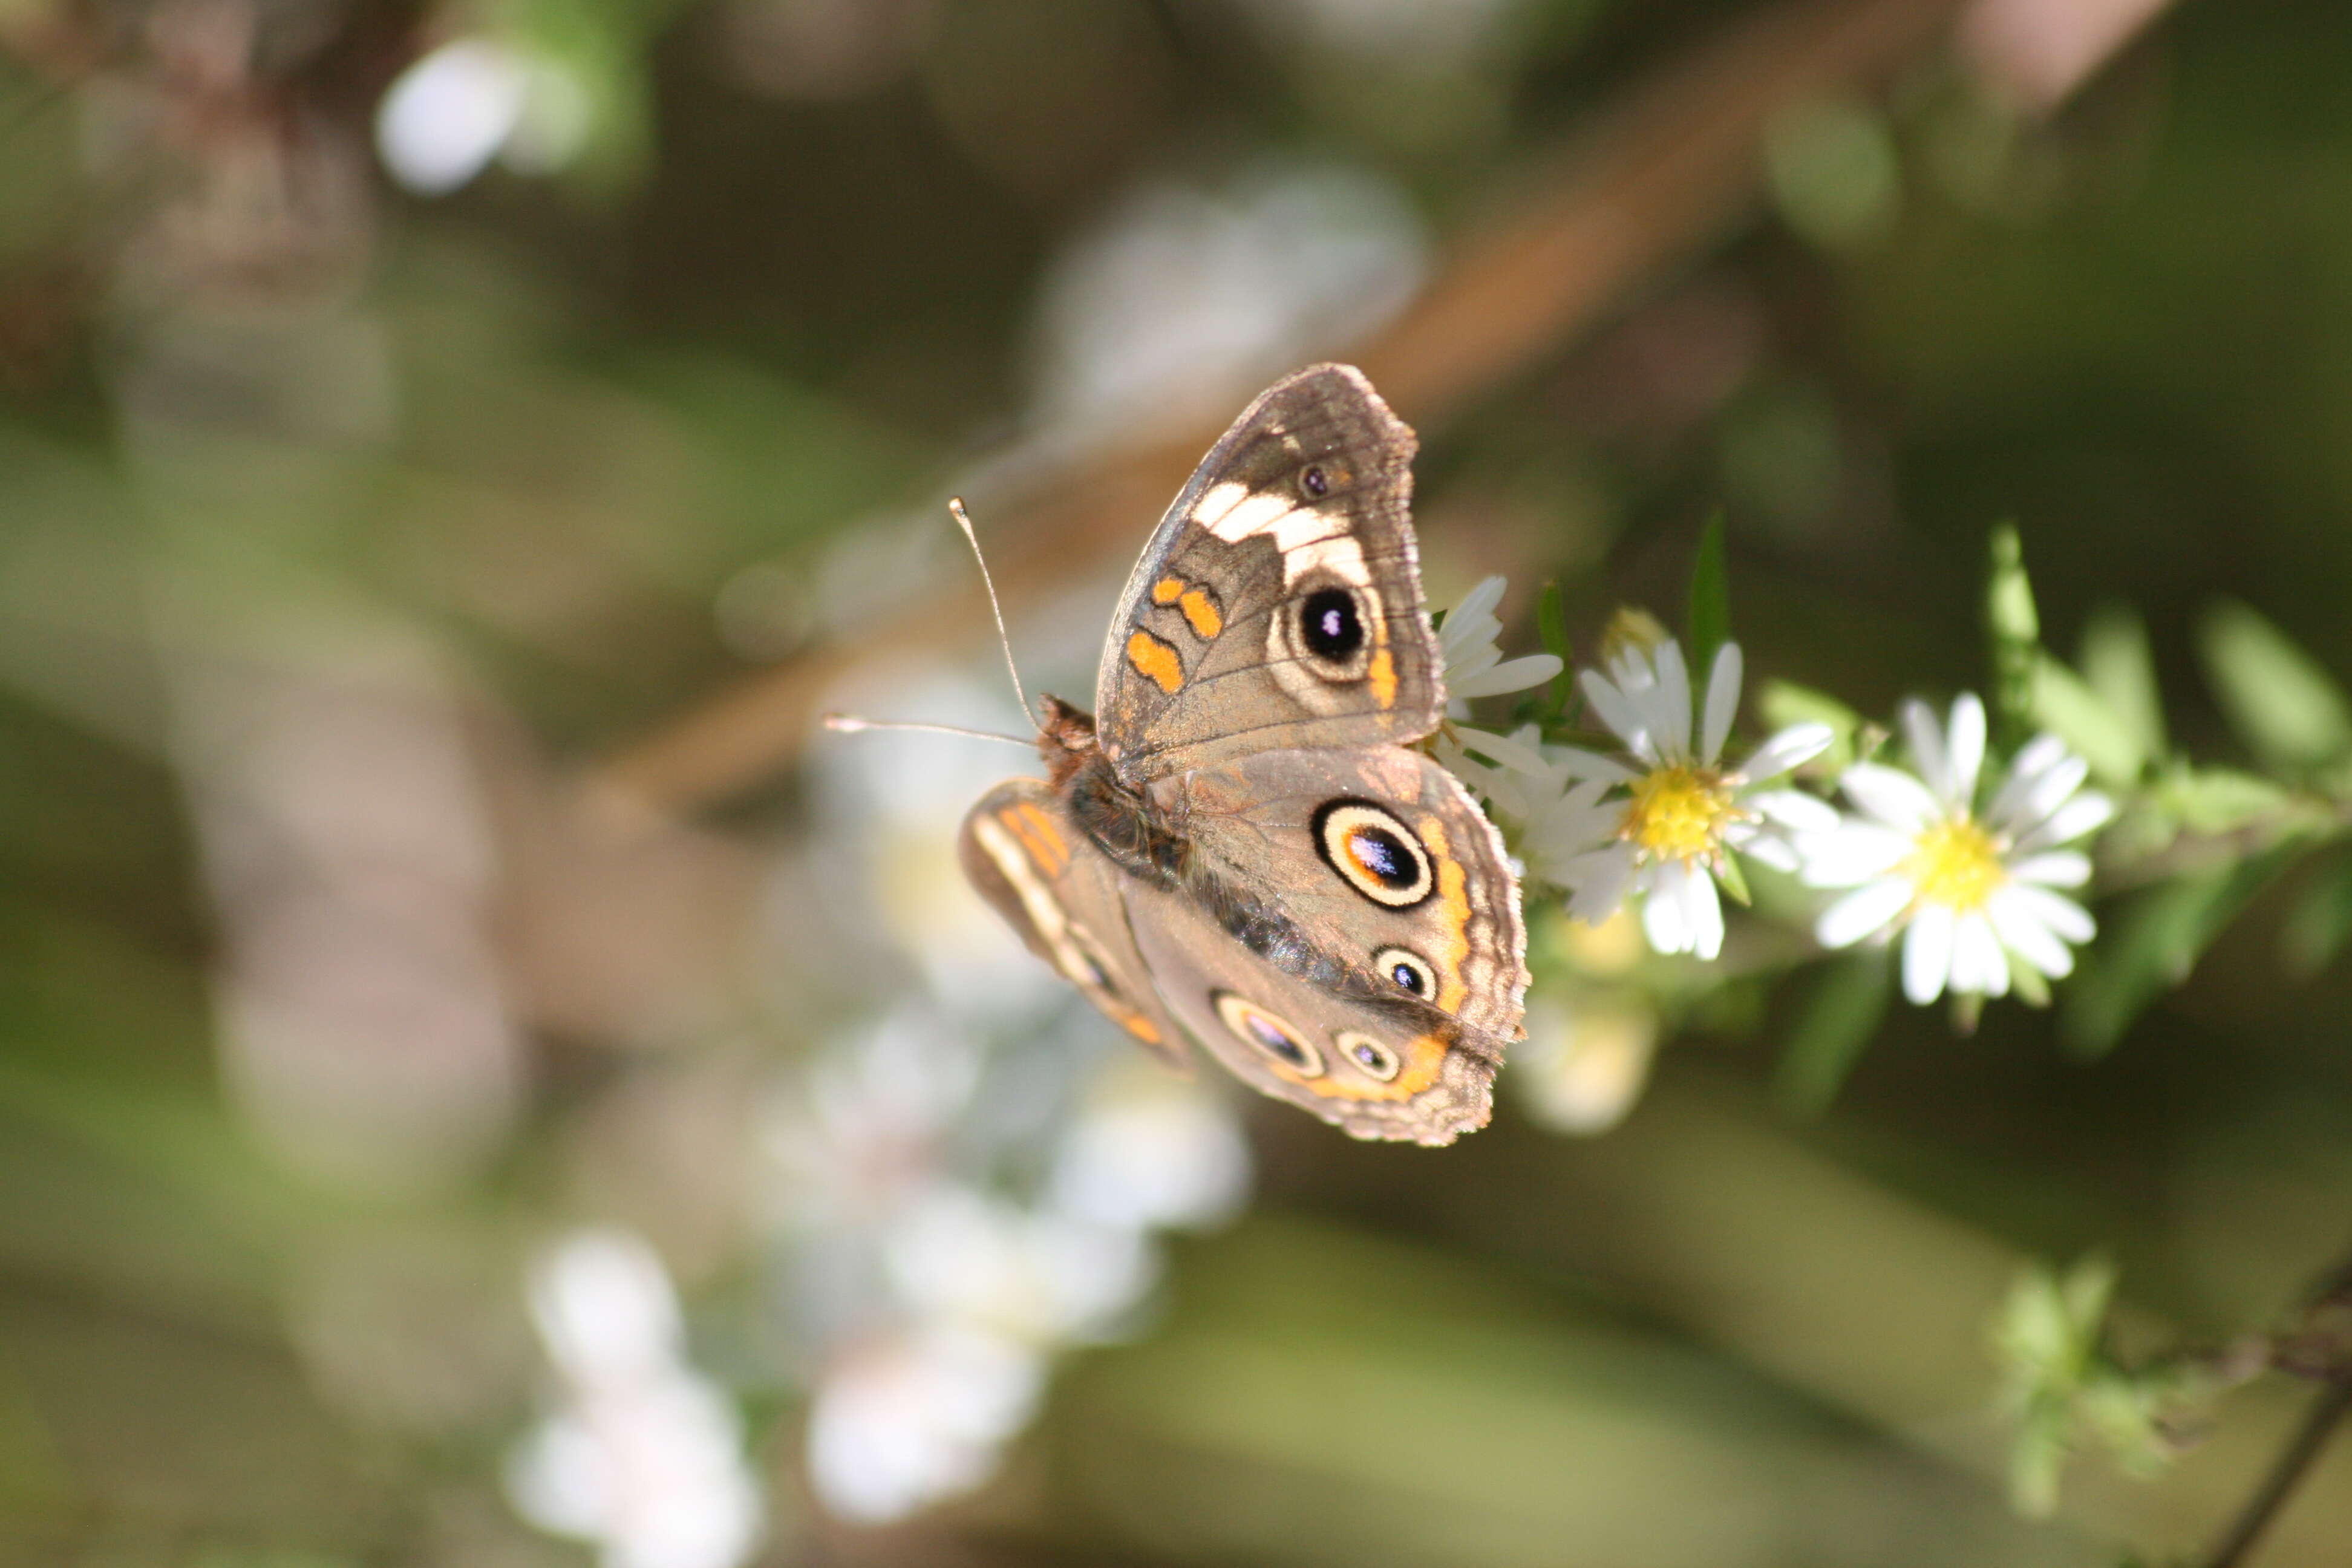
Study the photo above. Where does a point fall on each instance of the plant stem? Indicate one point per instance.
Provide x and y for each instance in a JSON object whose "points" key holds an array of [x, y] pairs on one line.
{"points": [[2334, 1402]]}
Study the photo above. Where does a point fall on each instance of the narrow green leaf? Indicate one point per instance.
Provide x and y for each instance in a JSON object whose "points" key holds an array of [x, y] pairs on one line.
{"points": [[1733, 881], [2217, 800], [2318, 925], [2119, 666], [1552, 626], [2156, 943], [1784, 702], [1710, 598], [2014, 627], [2065, 703], [1840, 1014], [2289, 710]]}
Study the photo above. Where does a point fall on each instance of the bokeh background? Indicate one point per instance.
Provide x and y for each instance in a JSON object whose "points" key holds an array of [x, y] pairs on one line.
{"points": [[484, 1079]]}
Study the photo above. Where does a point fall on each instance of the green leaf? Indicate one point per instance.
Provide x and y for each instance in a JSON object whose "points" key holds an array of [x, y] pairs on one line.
{"points": [[1840, 1014], [1733, 881], [2014, 627], [2289, 710], [1710, 599], [1552, 626], [2158, 941], [2217, 800], [2321, 919], [1784, 702], [2119, 666], [2065, 703]]}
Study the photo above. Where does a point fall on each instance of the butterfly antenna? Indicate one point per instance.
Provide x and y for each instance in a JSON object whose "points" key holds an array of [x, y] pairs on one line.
{"points": [[963, 520], [851, 723]]}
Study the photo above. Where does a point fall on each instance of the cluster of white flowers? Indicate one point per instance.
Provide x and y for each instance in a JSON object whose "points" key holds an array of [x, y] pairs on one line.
{"points": [[940, 1301], [1655, 826], [644, 1455]]}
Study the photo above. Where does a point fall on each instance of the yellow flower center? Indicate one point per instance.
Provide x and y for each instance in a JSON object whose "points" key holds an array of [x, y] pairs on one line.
{"points": [[1677, 812], [1957, 863]]}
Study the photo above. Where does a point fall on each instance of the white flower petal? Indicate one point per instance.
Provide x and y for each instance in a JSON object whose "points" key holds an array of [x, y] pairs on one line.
{"points": [[1617, 711], [1480, 600], [1597, 881], [1722, 702], [1795, 809], [1671, 700], [1927, 954], [2084, 814], [1853, 853], [1928, 756], [2024, 934], [1582, 764], [2061, 914], [1703, 914], [1665, 915], [2048, 791], [1978, 965], [1504, 749], [1788, 748], [2055, 869], [1763, 845], [1965, 746], [1863, 911], [2035, 758], [1891, 796], [1511, 675]]}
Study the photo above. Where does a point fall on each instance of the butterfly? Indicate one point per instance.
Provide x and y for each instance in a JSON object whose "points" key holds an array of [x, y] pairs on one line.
{"points": [[1243, 847]]}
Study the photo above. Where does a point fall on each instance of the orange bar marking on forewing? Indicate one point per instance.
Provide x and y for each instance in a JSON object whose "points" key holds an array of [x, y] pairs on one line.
{"points": [[1156, 661], [1201, 614]]}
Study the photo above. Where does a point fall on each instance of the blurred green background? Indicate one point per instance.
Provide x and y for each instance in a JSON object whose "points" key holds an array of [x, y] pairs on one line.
{"points": [[449, 457]]}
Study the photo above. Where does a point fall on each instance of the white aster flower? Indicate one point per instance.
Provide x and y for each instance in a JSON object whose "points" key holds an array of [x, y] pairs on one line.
{"points": [[644, 1455], [1665, 839], [1473, 665], [1975, 891]]}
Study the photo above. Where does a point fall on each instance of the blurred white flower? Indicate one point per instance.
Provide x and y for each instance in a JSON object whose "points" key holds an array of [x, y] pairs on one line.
{"points": [[907, 1419], [1580, 1070], [863, 1138], [1975, 894], [962, 1256], [644, 1456], [1683, 812], [1150, 1149], [472, 99], [1182, 298], [1470, 662]]}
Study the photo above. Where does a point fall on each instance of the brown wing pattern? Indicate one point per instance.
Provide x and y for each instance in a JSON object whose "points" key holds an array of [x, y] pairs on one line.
{"points": [[1026, 856], [1279, 605]]}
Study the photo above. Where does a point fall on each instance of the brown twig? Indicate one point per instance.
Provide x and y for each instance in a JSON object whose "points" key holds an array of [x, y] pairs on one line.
{"points": [[2328, 1412], [1665, 173]]}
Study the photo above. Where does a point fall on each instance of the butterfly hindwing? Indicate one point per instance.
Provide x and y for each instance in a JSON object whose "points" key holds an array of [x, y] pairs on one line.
{"points": [[1026, 856], [1347, 936], [1279, 605]]}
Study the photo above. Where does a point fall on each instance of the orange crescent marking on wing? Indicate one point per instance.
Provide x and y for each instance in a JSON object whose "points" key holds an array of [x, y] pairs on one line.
{"points": [[1201, 614], [1382, 675], [1157, 661], [1453, 898], [1424, 1056], [1166, 589]]}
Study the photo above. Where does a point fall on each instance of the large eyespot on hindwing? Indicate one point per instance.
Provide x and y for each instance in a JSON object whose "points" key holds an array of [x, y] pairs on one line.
{"points": [[1254, 1025], [1371, 1058], [1374, 852], [1407, 971]]}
